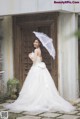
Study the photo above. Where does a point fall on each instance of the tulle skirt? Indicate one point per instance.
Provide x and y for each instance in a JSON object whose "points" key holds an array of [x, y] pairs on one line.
{"points": [[39, 93]]}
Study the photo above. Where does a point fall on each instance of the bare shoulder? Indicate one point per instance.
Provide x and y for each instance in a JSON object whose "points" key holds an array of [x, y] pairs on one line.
{"points": [[38, 51]]}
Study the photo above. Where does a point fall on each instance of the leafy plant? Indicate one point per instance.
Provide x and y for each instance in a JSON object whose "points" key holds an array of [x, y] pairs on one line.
{"points": [[77, 33], [13, 88]]}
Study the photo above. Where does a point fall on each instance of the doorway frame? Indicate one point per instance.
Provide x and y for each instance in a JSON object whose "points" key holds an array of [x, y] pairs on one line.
{"points": [[35, 19]]}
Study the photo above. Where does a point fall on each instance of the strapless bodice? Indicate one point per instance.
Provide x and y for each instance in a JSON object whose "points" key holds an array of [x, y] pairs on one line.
{"points": [[38, 61]]}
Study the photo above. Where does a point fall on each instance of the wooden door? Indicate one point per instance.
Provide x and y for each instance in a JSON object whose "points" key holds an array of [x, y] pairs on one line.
{"points": [[23, 26]]}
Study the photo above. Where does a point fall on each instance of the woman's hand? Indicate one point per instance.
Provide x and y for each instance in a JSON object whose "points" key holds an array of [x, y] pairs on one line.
{"points": [[29, 55]]}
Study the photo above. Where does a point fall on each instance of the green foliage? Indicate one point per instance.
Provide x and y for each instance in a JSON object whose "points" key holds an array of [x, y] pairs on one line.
{"points": [[13, 87], [13, 81], [77, 33]]}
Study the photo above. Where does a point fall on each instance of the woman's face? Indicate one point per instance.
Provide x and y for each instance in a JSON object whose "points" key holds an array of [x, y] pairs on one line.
{"points": [[36, 43]]}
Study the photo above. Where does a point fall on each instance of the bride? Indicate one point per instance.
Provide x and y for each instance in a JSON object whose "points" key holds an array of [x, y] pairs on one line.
{"points": [[39, 93]]}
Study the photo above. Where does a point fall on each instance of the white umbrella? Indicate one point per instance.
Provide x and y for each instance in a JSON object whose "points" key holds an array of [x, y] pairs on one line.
{"points": [[46, 42]]}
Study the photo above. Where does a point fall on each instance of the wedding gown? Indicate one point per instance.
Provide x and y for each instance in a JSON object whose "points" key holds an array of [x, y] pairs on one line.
{"points": [[39, 93]]}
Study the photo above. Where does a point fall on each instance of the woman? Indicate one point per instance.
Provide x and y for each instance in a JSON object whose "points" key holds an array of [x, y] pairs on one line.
{"points": [[39, 92]]}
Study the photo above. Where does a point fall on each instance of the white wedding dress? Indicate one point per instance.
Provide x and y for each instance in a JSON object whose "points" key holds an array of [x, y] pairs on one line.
{"points": [[39, 93]]}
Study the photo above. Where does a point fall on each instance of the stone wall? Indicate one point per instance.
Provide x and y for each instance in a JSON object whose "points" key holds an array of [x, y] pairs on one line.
{"points": [[6, 51], [68, 56]]}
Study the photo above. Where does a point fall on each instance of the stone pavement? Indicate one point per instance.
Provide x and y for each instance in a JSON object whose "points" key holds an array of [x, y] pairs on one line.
{"points": [[46, 115]]}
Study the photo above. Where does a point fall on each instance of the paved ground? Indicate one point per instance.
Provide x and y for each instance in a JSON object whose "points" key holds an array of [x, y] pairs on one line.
{"points": [[45, 115]]}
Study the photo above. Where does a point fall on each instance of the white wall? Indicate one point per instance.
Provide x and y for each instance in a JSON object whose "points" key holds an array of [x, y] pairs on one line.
{"points": [[7, 49], [8, 7], [68, 56]]}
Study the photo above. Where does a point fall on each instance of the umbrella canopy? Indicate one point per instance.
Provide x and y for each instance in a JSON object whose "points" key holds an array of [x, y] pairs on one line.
{"points": [[46, 42]]}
